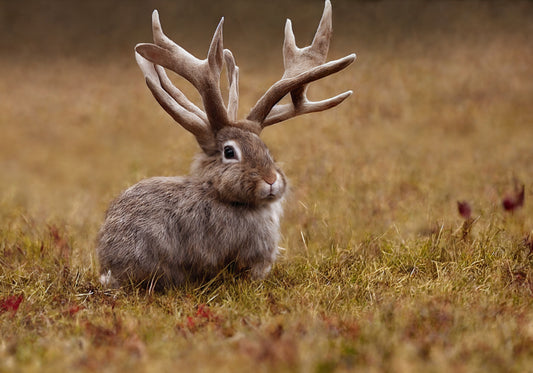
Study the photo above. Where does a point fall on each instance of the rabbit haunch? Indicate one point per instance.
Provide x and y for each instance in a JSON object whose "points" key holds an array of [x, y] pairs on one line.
{"points": [[227, 211]]}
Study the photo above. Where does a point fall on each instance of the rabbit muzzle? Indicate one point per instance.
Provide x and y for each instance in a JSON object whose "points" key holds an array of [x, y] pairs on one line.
{"points": [[272, 186]]}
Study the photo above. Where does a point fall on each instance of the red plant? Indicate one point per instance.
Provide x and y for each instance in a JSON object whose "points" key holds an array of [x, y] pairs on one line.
{"points": [[203, 317], [191, 324], [203, 311], [10, 303], [515, 199], [464, 209]]}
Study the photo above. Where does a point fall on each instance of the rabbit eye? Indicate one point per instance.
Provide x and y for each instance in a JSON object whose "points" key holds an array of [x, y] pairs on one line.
{"points": [[229, 152]]}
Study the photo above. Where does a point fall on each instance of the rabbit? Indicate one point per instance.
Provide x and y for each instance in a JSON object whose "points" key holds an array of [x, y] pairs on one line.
{"points": [[226, 213], [186, 228]]}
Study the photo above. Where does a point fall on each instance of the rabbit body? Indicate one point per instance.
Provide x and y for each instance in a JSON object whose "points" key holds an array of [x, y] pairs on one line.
{"points": [[175, 229]]}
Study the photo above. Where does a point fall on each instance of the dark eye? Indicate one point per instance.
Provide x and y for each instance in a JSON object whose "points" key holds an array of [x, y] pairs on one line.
{"points": [[229, 152]]}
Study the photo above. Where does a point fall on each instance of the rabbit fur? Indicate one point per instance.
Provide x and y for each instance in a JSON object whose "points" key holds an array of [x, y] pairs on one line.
{"points": [[178, 229]]}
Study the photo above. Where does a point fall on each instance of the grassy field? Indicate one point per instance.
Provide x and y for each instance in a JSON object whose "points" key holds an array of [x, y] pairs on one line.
{"points": [[380, 271]]}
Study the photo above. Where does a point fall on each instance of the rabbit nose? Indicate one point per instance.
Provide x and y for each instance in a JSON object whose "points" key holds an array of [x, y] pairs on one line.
{"points": [[270, 178]]}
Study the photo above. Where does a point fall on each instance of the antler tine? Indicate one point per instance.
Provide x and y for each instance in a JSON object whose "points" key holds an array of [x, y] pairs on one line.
{"points": [[280, 113], [323, 33], [174, 101], [302, 66], [282, 87], [210, 89], [177, 95], [233, 78], [204, 75]]}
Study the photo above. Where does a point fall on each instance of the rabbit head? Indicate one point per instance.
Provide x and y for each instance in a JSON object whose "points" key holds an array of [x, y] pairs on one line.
{"points": [[241, 169]]}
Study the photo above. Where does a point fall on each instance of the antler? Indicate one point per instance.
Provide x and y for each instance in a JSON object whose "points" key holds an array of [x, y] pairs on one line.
{"points": [[204, 75], [302, 66]]}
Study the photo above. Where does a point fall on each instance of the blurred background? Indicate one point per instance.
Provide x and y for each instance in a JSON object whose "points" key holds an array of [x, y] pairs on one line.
{"points": [[442, 109], [102, 31]]}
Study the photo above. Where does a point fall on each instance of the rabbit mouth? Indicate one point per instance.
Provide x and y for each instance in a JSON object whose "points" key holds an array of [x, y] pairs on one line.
{"points": [[275, 192], [272, 191], [271, 196]]}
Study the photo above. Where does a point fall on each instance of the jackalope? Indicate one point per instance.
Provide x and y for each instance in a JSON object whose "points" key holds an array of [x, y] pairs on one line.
{"points": [[226, 213]]}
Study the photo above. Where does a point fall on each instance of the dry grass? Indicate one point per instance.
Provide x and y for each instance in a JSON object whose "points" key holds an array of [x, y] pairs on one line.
{"points": [[380, 273]]}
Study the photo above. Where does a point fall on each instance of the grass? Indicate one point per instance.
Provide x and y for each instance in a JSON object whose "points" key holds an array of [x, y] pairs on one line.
{"points": [[380, 271]]}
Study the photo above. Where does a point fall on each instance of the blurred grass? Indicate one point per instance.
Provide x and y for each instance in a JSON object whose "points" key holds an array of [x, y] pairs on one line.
{"points": [[375, 275]]}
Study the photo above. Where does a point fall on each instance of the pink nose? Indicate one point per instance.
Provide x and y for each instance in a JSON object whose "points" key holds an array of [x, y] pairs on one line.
{"points": [[270, 178]]}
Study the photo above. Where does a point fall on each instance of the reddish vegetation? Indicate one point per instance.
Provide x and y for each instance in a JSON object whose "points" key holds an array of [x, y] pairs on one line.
{"points": [[515, 199], [464, 209], [204, 312], [10, 303], [203, 317]]}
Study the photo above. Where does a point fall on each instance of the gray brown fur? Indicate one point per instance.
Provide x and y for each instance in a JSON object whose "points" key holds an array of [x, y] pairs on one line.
{"points": [[175, 229], [169, 230]]}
